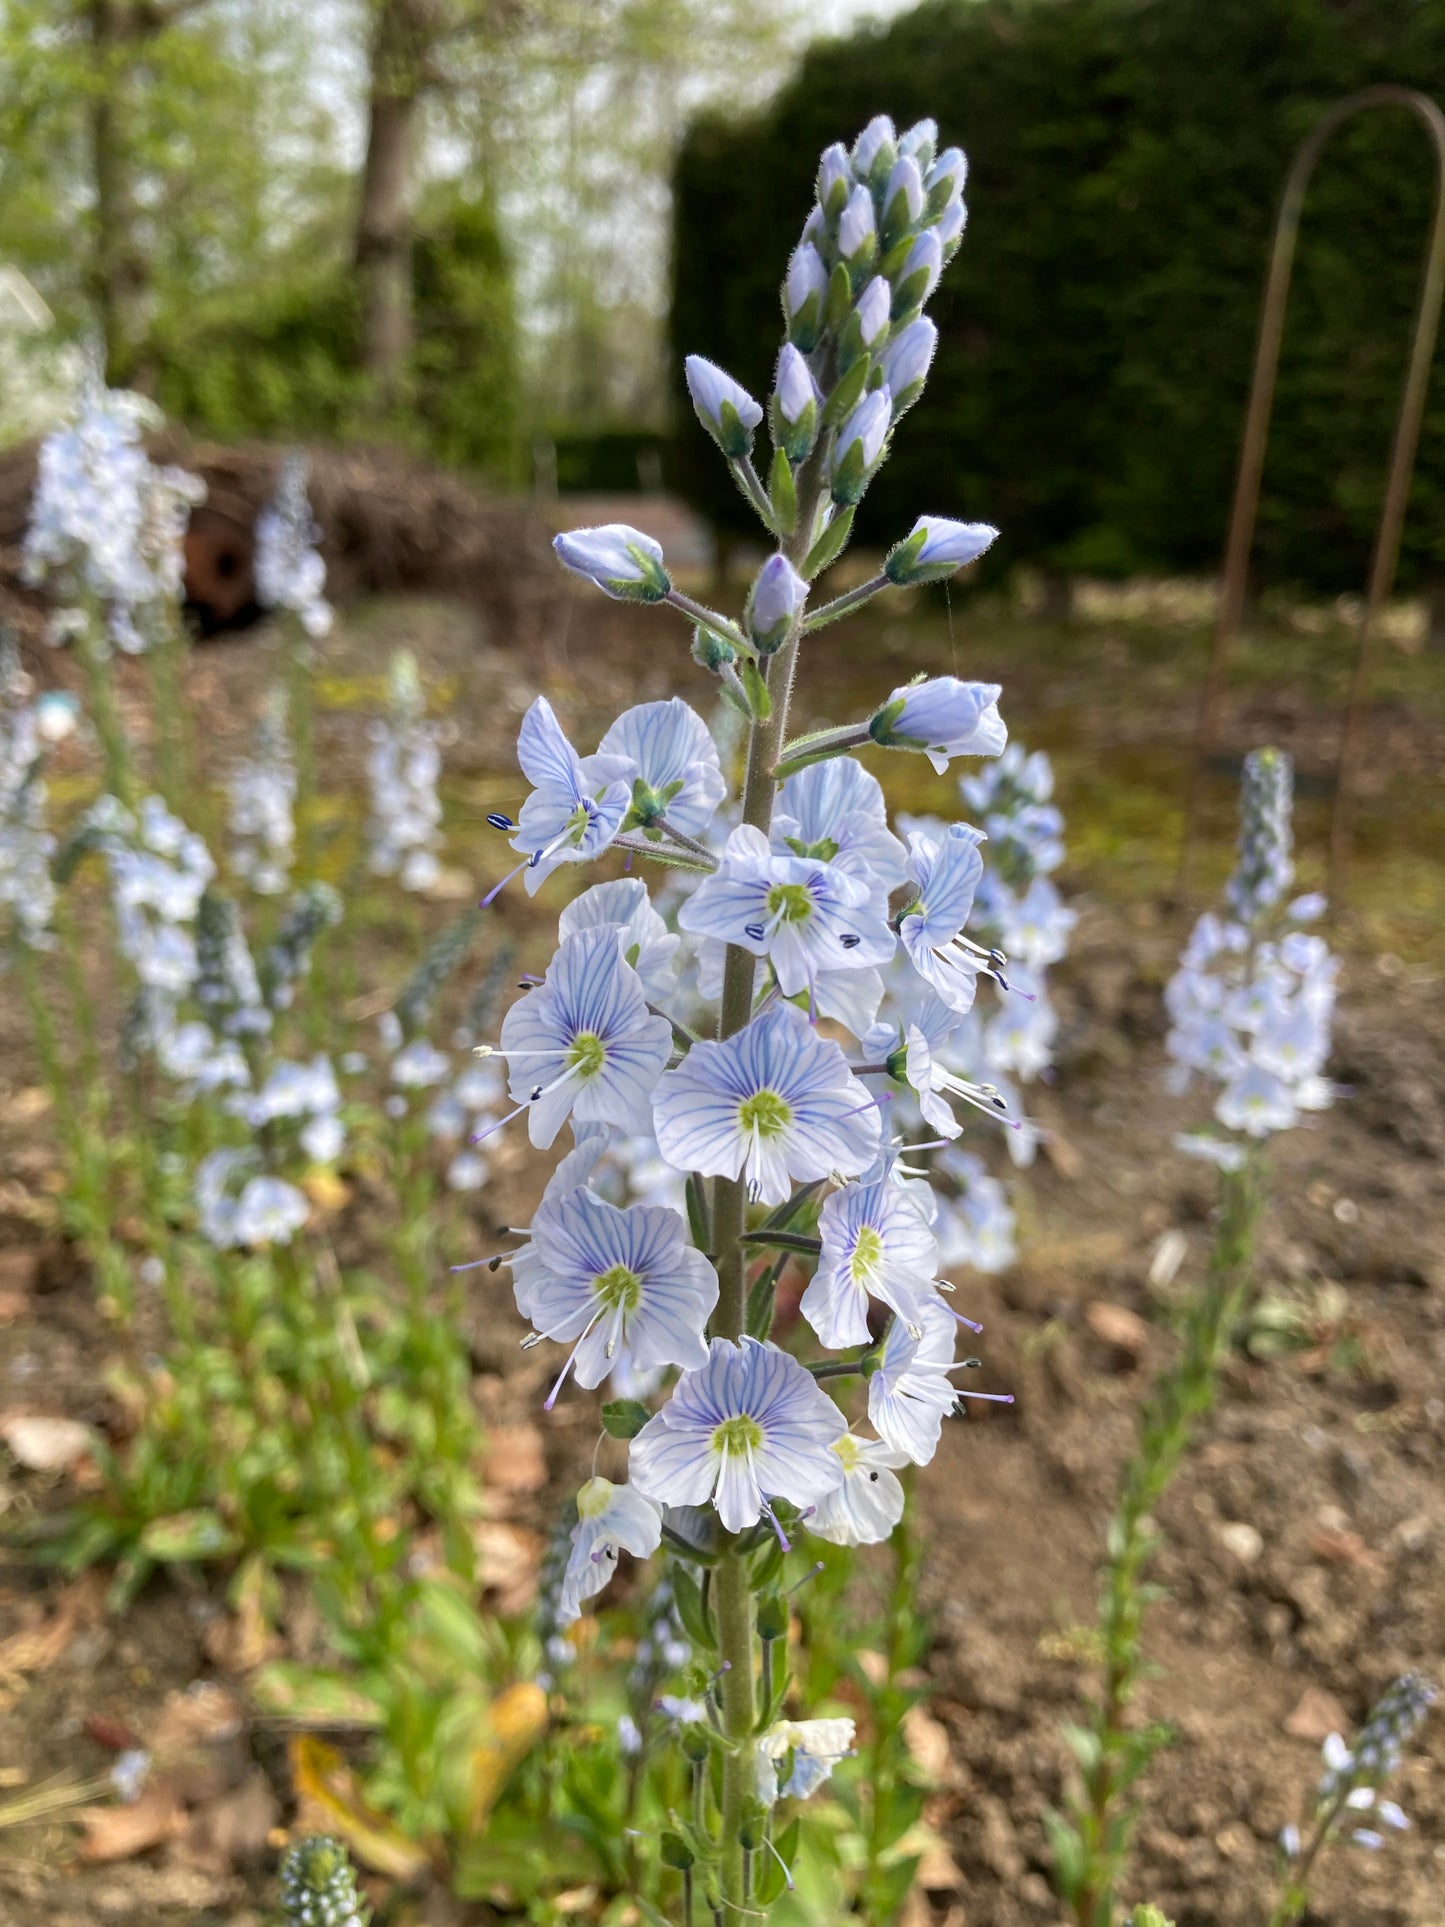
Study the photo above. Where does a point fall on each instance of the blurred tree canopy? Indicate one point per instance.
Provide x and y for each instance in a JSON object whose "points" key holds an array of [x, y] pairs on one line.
{"points": [[1098, 326]]}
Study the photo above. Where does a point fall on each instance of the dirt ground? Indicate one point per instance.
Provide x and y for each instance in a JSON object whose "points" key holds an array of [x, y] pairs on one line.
{"points": [[1304, 1547]]}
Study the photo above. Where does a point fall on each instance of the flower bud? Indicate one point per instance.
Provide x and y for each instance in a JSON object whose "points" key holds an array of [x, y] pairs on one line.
{"points": [[859, 446], [920, 143], [943, 717], [946, 179], [773, 601], [726, 410], [949, 228], [906, 362], [918, 276], [867, 324], [796, 401], [935, 548], [902, 200], [857, 231], [711, 651], [804, 294], [835, 179], [875, 149], [623, 562]]}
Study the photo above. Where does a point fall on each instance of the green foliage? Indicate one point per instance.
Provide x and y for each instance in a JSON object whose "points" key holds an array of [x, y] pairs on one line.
{"points": [[1090, 1842], [1098, 326]]}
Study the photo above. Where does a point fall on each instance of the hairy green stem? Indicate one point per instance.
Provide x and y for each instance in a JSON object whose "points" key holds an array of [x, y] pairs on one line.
{"points": [[733, 1585]]}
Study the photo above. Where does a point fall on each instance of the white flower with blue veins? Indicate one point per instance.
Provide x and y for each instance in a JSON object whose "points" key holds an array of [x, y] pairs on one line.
{"points": [[815, 1746], [620, 1286], [1036, 926], [943, 717], [875, 1245], [804, 915], [643, 938], [670, 751], [947, 874], [575, 809], [835, 810], [583, 1044], [1257, 1103], [865, 1508], [775, 1104], [750, 1427], [910, 1393], [609, 1518]]}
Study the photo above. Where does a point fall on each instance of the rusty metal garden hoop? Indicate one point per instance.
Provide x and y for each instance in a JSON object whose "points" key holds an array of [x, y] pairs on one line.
{"points": [[1256, 434]]}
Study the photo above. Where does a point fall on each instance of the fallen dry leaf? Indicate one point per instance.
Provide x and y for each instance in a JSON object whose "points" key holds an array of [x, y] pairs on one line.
{"points": [[516, 1459], [1317, 1715], [1345, 1549], [196, 1741], [38, 1646], [27, 1105], [243, 1639], [45, 1444], [508, 1730], [508, 1557], [116, 1833], [1125, 1330], [927, 1740], [13, 1305], [233, 1831], [329, 1800], [20, 1268]]}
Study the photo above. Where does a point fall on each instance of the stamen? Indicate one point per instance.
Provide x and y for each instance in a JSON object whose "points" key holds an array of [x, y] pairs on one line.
{"points": [[500, 820], [497, 888]]}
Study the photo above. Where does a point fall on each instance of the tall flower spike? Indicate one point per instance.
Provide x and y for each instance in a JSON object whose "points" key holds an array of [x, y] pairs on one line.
{"points": [[749, 1427], [583, 1044], [775, 1103]]}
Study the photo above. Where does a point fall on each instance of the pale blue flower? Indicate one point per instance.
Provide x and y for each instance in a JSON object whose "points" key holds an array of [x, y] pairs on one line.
{"points": [[776, 1102], [975, 1225], [804, 293], [865, 1508], [816, 1746], [918, 276], [583, 1043], [949, 173], [935, 549], [835, 178], [875, 1245], [943, 717], [1257, 1103], [1036, 926], [804, 915], [575, 809], [1021, 1031], [670, 750], [947, 874], [835, 810], [726, 410], [268, 1211], [622, 561], [1221, 1152], [794, 388], [750, 1427], [642, 937], [620, 1286], [609, 1518]]}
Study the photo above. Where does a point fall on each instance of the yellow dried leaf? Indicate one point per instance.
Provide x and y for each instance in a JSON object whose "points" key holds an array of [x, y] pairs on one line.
{"points": [[326, 1786], [508, 1730]]}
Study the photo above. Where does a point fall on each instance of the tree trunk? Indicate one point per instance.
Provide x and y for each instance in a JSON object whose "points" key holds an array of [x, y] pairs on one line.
{"points": [[386, 215], [120, 271]]}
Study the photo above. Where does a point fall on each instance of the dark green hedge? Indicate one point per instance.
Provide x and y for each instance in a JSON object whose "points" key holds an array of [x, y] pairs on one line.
{"points": [[1098, 325]]}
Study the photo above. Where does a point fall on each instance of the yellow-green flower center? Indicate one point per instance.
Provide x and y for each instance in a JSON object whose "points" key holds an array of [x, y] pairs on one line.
{"points": [[846, 1448], [618, 1287], [587, 1053], [739, 1434], [867, 1251], [766, 1113], [790, 902]]}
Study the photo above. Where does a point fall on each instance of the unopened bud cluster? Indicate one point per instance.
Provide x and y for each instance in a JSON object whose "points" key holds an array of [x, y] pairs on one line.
{"points": [[1266, 835], [318, 1887]]}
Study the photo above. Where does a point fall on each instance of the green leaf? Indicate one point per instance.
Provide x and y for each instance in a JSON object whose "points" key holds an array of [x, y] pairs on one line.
{"points": [[1083, 1743], [829, 545], [624, 1418], [759, 701], [761, 1298], [848, 393], [687, 1596], [201, 1534], [783, 494], [1067, 1849], [676, 1853]]}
